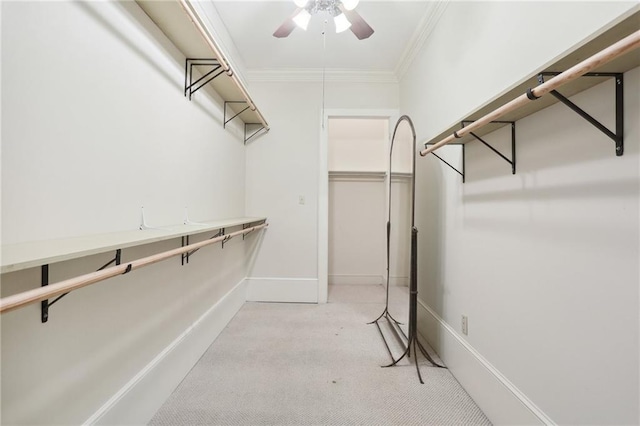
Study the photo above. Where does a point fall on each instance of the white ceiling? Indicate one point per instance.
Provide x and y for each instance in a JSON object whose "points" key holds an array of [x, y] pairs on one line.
{"points": [[358, 128], [397, 25]]}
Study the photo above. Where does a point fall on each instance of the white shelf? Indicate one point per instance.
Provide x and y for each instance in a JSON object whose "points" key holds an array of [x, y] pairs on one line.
{"points": [[174, 22], [590, 47], [357, 176], [16, 257], [349, 175]]}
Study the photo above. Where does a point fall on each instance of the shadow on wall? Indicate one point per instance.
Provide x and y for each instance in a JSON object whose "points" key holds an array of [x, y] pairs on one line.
{"points": [[140, 19], [429, 221], [575, 233], [253, 246], [154, 33], [587, 190]]}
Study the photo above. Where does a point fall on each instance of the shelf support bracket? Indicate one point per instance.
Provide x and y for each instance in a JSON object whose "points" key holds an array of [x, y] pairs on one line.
{"points": [[461, 173], [619, 81], [225, 239], [246, 127], [224, 125], [511, 161], [189, 254], [249, 225], [185, 256], [245, 226], [45, 304], [220, 233], [191, 86]]}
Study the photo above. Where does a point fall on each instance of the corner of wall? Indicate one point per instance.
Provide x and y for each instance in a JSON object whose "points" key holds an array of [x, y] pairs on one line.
{"points": [[138, 400]]}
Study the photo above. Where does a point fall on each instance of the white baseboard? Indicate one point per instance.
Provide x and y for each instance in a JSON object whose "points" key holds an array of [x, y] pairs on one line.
{"points": [[293, 290], [498, 398], [355, 279], [142, 396], [367, 280], [399, 281]]}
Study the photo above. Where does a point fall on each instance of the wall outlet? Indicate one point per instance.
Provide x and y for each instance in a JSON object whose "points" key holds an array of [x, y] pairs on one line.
{"points": [[465, 325], [301, 200]]}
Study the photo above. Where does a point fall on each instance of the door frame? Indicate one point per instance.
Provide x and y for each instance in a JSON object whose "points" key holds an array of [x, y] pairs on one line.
{"points": [[323, 185]]}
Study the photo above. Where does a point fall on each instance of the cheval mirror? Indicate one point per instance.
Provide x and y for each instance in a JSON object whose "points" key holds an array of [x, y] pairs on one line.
{"points": [[402, 249]]}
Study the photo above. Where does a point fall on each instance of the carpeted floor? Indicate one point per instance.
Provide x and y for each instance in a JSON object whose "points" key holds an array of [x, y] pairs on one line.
{"points": [[301, 364]]}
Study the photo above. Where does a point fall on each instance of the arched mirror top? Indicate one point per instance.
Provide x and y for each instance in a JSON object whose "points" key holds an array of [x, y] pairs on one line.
{"points": [[402, 146], [402, 157]]}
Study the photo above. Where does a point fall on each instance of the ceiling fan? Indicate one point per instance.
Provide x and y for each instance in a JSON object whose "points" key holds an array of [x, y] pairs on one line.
{"points": [[342, 11]]}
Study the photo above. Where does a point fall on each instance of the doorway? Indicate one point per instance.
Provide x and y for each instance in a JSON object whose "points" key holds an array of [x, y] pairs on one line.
{"points": [[391, 116], [357, 163]]}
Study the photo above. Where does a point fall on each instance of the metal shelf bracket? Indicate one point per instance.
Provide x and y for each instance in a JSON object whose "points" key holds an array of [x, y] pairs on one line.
{"points": [[185, 256], [511, 161], [461, 173], [185, 242], [245, 226], [617, 136], [224, 125], [191, 86], [45, 304], [220, 233], [261, 128], [249, 128]]}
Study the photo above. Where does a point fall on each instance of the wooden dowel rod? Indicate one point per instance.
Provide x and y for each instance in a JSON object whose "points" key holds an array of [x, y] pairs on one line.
{"points": [[619, 48], [186, 5], [42, 293]]}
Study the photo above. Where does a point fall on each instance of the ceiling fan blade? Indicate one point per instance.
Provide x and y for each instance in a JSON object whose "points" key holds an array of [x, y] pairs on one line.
{"points": [[287, 26], [359, 26]]}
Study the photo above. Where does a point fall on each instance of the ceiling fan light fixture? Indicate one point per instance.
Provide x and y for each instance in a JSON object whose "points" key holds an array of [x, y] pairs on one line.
{"points": [[302, 19], [342, 23], [301, 3], [350, 4]]}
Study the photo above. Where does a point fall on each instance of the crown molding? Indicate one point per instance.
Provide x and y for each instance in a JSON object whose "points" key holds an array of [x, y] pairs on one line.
{"points": [[426, 26], [315, 75], [420, 36]]}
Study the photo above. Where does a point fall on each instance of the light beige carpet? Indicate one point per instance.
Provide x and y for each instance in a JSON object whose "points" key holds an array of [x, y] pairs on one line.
{"points": [[303, 364]]}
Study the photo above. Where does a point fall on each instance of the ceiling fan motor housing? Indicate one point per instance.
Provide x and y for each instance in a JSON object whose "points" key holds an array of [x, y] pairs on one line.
{"points": [[342, 11], [330, 6]]}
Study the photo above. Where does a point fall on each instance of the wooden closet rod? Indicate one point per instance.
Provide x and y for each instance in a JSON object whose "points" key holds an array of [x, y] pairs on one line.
{"points": [[186, 5], [623, 46], [42, 293]]}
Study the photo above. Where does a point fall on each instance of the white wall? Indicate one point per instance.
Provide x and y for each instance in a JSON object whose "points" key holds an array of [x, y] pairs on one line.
{"points": [[94, 126], [284, 164], [214, 23], [358, 144], [494, 46], [544, 263], [357, 161], [84, 130], [357, 223]]}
